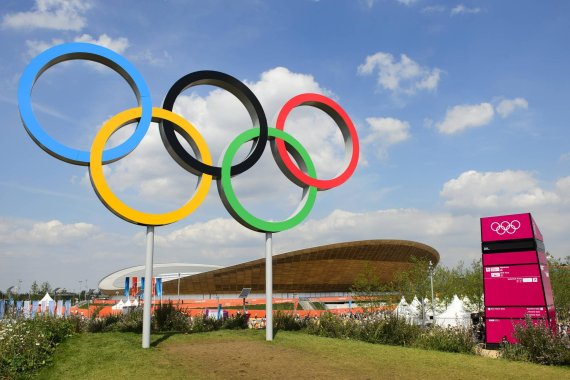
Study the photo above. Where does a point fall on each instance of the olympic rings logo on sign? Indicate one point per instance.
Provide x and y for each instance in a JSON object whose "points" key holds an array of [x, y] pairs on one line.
{"points": [[505, 227], [291, 157]]}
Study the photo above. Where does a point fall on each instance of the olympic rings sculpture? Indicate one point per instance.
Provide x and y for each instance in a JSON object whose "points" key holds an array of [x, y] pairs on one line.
{"points": [[505, 227], [291, 157]]}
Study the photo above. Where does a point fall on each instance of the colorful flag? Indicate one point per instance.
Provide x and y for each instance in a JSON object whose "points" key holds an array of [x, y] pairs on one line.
{"points": [[35, 308], [153, 286], [59, 308], [27, 309], [159, 287], [51, 308], [142, 283], [135, 286], [67, 308], [19, 307], [127, 288], [2, 306]]}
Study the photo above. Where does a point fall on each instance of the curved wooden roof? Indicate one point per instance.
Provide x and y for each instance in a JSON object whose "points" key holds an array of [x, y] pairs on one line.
{"points": [[329, 268]]}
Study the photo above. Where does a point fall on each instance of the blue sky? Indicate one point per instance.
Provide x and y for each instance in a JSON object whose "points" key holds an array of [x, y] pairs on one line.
{"points": [[461, 108]]}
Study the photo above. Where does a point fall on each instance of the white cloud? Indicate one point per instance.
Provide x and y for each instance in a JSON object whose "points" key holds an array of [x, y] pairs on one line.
{"points": [[506, 190], [36, 47], [219, 116], [153, 59], [462, 9], [444, 231], [118, 45], [404, 76], [50, 14], [434, 9], [407, 2], [51, 232], [565, 156], [462, 117], [385, 132], [508, 106]]}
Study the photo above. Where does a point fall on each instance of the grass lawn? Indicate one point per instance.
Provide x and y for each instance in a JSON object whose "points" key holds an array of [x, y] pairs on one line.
{"points": [[246, 354]]}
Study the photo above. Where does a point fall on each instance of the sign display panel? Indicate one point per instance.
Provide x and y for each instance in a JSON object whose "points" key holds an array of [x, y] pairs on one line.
{"points": [[515, 275], [506, 258], [513, 285], [515, 312], [506, 227]]}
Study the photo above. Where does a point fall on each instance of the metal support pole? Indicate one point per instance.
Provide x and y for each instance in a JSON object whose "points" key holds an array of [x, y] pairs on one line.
{"points": [[148, 289], [268, 287], [432, 303], [178, 287]]}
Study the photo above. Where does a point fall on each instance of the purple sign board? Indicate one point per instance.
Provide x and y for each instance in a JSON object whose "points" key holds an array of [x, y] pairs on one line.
{"points": [[515, 275]]}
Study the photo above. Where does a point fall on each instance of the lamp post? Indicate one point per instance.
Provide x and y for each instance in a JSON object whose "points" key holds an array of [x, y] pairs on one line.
{"points": [[430, 268], [179, 287]]}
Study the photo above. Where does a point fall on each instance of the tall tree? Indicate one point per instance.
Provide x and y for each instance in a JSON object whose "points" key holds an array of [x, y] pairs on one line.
{"points": [[34, 289], [45, 287], [367, 289], [414, 281], [559, 271]]}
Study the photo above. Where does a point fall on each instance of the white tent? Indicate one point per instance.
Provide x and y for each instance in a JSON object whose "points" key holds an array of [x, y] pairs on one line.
{"points": [[136, 302], [415, 311], [118, 306], [45, 302], [455, 316], [128, 303], [403, 309]]}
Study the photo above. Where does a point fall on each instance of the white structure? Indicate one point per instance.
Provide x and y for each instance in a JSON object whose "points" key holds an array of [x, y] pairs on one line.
{"points": [[45, 302], [115, 282], [456, 315], [403, 309], [118, 306]]}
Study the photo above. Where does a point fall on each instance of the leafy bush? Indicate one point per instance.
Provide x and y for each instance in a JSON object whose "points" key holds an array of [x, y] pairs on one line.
{"points": [[389, 330], [331, 326], [449, 340], [28, 344], [287, 322], [130, 322], [236, 322], [537, 344], [169, 318], [203, 323]]}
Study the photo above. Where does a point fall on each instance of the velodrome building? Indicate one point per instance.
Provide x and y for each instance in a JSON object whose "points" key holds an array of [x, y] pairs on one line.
{"points": [[328, 270]]}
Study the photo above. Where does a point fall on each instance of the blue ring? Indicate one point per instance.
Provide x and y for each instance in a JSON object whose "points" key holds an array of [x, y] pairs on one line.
{"points": [[73, 51]]}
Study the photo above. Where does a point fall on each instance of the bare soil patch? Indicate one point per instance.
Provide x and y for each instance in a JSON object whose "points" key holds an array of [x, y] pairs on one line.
{"points": [[255, 359]]}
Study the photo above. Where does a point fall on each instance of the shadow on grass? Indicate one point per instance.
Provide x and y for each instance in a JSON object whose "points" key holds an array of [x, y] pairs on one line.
{"points": [[163, 338]]}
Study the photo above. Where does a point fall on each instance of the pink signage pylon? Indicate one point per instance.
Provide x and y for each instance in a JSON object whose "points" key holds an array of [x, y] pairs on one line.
{"points": [[516, 282]]}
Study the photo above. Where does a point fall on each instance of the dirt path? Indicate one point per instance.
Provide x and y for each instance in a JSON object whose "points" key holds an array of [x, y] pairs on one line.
{"points": [[257, 360]]}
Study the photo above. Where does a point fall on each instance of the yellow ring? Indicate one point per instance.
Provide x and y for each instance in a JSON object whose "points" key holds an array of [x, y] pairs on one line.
{"points": [[112, 202]]}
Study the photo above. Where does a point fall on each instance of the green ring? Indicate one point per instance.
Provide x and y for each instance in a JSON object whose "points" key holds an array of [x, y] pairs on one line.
{"points": [[234, 206]]}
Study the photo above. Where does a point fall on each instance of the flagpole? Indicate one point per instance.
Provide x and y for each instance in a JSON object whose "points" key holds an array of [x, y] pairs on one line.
{"points": [[268, 286], [148, 289]]}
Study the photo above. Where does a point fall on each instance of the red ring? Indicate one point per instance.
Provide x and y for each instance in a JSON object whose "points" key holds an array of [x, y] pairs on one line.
{"points": [[343, 122]]}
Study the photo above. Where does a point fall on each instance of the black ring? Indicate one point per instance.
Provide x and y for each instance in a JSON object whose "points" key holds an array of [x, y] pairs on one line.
{"points": [[244, 95]]}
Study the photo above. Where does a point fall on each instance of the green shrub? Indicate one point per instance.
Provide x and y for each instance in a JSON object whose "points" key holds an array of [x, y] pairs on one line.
{"points": [[537, 344], [203, 323], [169, 318], [78, 323], [130, 322], [448, 340], [332, 326], [237, 322], [389, 330], [28, 344], [287, 322]]}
